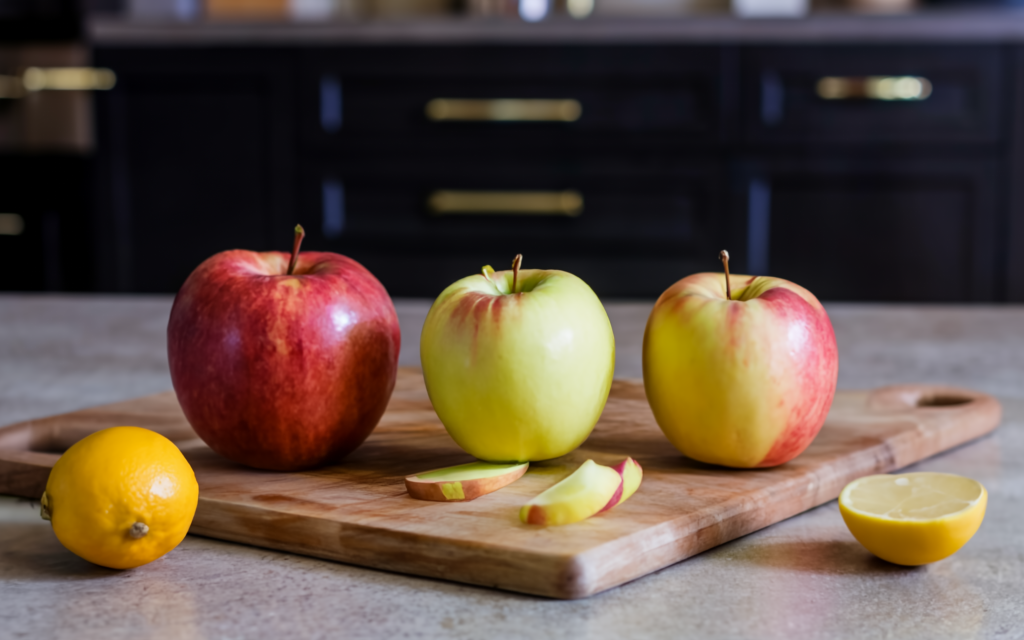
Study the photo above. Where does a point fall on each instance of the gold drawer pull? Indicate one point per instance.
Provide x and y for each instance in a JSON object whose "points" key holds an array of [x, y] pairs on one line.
{"points": [[531, 203], [57, 79], [504, 110], [874, 88], [68, 79]]}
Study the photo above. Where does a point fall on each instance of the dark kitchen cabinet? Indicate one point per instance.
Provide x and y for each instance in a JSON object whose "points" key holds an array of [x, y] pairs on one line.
{"points": [[196, 157], [857, 227], [374, 100], [46, 232], [1012, 229], [666, 154]]}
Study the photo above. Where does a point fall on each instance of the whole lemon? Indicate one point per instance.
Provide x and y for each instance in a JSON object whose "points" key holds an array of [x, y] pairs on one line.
{"points": [[121, 497]]}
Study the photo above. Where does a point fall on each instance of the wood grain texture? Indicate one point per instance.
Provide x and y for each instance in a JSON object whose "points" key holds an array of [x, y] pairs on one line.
{"points": [[358, 512]]}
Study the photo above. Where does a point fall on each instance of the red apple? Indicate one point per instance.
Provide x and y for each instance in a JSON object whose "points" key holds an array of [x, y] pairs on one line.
{"points": [[739, 370], [283, 362]]}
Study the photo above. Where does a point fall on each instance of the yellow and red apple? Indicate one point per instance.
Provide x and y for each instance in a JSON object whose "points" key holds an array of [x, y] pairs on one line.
{"points": [[283, 362], [518, 364], [739, 370]]}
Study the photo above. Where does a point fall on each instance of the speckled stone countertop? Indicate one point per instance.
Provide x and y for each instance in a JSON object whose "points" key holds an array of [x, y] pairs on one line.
{"points": [[802, 578]]}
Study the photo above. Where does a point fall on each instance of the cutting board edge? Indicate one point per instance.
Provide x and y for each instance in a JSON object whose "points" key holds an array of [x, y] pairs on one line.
{"points": [[465, 560]]}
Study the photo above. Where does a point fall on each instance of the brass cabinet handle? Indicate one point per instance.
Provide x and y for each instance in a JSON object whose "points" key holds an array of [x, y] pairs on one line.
{"points": [[532, 203], [56, 79], [504, 110], [898, 88]]}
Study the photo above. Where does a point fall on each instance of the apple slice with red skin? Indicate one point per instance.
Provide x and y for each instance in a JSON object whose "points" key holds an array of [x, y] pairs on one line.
{"points": [[632, 473], [587, 491], [463, 482]]}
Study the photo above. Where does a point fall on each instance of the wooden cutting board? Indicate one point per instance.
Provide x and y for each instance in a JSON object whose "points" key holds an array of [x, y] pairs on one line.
{"points": [[358, 512]]}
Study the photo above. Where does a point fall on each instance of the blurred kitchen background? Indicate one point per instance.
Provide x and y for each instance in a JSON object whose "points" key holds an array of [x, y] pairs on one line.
{"points": [[870, 150]]}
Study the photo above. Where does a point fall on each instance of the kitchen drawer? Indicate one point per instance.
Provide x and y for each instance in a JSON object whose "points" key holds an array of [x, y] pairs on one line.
{"points": [[884, 94], [606, 222], [549, 97], [864, 229]]}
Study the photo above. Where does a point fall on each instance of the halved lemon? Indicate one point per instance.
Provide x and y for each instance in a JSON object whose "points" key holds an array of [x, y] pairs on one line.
{"points": [[913, 518]]}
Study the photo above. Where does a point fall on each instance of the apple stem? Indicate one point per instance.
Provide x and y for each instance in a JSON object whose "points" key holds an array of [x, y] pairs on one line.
{"points": [[724, 257], [516, 263], [300, 233]]}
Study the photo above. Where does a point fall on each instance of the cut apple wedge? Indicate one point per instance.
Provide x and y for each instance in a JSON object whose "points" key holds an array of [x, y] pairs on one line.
{"points": [[463, 482], [631, 473], [587, 491]]}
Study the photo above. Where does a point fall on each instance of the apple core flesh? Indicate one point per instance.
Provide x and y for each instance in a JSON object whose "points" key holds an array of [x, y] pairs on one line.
{"points": [[279, 371], [741, 382], [589, 490], [518, 375], [464, 482]]}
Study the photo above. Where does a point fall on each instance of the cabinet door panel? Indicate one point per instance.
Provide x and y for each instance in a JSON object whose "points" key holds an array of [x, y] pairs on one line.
{"points": [[910, 231]]}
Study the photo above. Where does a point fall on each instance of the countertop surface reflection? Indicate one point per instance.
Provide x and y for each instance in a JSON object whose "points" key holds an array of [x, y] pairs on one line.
{"points": [[802, 578]]}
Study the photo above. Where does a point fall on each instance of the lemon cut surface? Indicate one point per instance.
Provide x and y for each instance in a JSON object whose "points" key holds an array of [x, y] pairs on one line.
{"points": [[913, 518], [121, 497]]}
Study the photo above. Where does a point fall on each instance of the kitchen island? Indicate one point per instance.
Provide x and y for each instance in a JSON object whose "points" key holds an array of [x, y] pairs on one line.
{"points": [[802, 578]]}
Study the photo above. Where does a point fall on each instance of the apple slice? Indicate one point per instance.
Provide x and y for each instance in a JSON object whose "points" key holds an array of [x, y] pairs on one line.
{"points": [[587, 491], [463, 482], [631, 473]]}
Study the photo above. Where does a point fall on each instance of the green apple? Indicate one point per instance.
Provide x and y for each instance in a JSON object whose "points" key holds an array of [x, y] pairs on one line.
{"points": [[518, 364]]}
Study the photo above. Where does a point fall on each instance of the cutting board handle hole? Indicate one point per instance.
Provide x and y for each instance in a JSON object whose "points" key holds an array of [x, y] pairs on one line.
{"points": [[58, 439], [943, 400]]}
